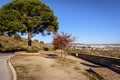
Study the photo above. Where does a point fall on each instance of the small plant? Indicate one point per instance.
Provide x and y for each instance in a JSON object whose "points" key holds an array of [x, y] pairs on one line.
{"points": [[41, 42], [53, 65], [65, 61], [32, 50], [1, 33], [36, 40], [46, 49], [76, 68], [17, 37]]}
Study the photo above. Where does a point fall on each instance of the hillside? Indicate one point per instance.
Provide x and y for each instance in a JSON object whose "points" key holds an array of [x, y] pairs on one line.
{"points": [[11, 44]]}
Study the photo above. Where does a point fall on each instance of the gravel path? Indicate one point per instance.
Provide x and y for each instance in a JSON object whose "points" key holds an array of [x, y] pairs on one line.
{"points": [[4, 70]]}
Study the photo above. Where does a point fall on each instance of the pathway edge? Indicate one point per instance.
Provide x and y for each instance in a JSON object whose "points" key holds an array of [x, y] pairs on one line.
{"points": [[14, 75]]}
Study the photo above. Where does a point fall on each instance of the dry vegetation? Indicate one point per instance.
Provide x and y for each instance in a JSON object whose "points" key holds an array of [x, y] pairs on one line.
{"points": [[45, 67], [109, 53], [11, 44]]}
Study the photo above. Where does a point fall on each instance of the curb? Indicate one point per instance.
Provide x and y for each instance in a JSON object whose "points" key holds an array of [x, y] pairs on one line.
{"points": [[106, 74], [91, 69], [14, 75]]}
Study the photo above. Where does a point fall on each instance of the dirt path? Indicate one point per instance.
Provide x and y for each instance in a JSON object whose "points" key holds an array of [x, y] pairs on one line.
{"points": [[47, 68], [4, 70]]}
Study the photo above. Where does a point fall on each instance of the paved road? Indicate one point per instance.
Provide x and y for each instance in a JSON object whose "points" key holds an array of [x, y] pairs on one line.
{"points": [[4, 69]]}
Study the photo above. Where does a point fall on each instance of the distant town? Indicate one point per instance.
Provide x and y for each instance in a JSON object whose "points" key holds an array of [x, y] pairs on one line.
{"points": [[95, 46]]}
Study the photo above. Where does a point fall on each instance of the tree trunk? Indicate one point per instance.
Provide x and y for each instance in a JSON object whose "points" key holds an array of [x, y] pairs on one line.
{"points": [[29, 36]]}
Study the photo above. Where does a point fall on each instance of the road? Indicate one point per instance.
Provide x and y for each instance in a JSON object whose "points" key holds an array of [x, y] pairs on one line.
{"points": [[4, 69]]}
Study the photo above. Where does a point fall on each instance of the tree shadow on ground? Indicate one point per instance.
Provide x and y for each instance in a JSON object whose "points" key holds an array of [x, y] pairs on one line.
{"points": [[52, 56], [90, 65]]}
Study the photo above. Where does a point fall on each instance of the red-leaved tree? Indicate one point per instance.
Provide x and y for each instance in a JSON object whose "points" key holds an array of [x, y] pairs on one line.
{"points": [[61, 41]]}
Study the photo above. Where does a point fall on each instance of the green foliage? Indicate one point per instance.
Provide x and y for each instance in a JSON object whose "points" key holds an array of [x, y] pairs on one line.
{"points": [[9, 22], [21, 16], [1, 33], [28, 13]]}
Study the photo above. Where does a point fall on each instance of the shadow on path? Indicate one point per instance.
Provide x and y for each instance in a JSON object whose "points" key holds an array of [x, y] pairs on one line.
{"points": [[51, 56], [90, 65]]}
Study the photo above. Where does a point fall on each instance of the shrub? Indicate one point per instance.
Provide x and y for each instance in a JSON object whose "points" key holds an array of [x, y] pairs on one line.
{"points": [[32, 50], [41, 42], [46, 49], [1, 33], [17, 37], [36, 40]]}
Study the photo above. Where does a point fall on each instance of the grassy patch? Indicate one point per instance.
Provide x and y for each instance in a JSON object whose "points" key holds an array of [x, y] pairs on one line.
{"points": [[37, 67], [31, 78], [12, 44], [22, 73], [115, 52], [65, 61]]}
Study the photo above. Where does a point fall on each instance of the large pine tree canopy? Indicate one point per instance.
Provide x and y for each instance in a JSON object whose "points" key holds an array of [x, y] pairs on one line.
{"points": [[20, 15]]}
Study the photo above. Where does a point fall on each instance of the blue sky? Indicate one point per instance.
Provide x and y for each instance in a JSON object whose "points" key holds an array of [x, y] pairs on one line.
{"points": [[90, 21]]}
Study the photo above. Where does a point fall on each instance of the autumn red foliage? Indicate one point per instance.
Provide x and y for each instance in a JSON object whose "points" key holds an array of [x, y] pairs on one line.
{"points": [[60, 41]]}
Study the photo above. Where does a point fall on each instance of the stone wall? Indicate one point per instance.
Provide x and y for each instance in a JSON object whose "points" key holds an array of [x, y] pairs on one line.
{"points": [[112, 63]]}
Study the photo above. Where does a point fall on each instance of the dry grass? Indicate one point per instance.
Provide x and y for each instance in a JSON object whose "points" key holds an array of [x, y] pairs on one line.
{"points": [[92, 76], [9, 44], [45, 68], [40, 68], [76, 68], [65, 61], [22, 70]]}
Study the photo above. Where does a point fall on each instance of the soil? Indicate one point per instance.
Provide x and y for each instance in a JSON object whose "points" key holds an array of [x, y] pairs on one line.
{"points": [[48, 67]]}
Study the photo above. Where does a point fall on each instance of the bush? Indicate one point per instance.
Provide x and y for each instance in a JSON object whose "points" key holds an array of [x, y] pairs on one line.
{"points": [[36, 40], [12, 49], [32, 50], [17, 37], [41, 42], [17, 43], [1, 33], [46, 49]]}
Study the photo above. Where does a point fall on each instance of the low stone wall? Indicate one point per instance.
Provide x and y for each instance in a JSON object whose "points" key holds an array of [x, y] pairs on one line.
{"points": [[112, 63]]}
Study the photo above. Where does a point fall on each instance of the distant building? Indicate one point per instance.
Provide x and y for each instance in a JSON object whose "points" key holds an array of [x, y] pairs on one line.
{"points": [[95, 46]]}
